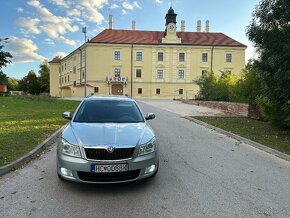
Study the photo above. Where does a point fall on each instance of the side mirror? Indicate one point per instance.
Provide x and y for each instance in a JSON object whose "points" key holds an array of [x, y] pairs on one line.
{"points": [[150, 116], [67, 115]]}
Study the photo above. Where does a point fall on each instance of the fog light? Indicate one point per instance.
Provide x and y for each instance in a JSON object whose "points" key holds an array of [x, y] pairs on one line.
{"points": [[150, 169], [66, 172]]}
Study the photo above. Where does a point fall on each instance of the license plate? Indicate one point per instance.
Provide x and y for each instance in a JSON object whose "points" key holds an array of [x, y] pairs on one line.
{"points": [[109, 168]]}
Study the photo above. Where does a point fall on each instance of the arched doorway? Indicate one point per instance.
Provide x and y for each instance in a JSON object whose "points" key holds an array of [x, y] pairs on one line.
{"points": [[117, 89]]}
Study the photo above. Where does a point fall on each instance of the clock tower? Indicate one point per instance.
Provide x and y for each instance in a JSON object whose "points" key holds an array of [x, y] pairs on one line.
{"points": [[170, 31]]}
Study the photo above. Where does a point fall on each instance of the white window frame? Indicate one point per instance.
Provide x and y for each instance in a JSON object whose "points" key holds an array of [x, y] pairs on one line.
{"points": [[139, 56], [117, 55], [181, 72], [229, 57], [204, 57], [160, 74]]}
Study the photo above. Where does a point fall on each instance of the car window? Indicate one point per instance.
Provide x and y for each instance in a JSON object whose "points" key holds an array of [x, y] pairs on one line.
{"points": [[101, 111]]}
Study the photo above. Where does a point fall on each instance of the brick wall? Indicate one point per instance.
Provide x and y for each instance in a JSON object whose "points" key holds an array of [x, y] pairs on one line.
{"points": [[238, 109]]}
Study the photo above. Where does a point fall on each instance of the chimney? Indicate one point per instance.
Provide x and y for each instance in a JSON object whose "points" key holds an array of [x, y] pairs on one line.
{"points": [[133, 25], [182, 29], [110, 21], [198, 27], [207, 26]]}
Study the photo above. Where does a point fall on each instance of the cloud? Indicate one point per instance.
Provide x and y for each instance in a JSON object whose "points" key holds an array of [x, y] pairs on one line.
{"points": [[67, 41], [114, 6], [49, 41], [159, 1], [53, 26], [19, 10], [90, 10], [23, 50], [124, 11], [73, 12], [29, 25], [131, 6], [62, 3]]}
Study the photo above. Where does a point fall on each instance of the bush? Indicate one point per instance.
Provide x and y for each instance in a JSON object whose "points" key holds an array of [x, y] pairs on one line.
{"points": [[213, 88]]}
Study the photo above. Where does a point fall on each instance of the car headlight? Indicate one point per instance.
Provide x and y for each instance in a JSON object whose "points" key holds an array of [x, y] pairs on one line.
{"points": [[69, 149], [148, 147]]}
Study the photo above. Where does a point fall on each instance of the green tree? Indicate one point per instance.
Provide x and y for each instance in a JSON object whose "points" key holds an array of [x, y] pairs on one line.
{"points": [[3, 78], [43, 78], [30, 83], [4, 56], [269, 30], [248, 87], [12, 84]]}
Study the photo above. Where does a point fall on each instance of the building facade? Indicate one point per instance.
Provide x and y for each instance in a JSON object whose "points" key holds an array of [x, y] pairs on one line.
{"points": [[145, 64]]}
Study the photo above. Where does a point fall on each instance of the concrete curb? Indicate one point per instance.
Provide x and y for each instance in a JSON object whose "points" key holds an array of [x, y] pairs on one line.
{"points": [[240, 138], [26, 158]]}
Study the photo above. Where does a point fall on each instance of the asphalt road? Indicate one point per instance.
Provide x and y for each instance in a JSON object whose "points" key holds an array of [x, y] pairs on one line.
{"points": [[202, 174]]}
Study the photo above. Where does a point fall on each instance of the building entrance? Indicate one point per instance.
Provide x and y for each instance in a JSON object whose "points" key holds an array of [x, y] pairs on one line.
{"points": [[117, 89]]}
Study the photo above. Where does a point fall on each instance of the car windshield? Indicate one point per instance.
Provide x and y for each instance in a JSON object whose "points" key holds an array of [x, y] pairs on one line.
{"points": [[108, 111]]}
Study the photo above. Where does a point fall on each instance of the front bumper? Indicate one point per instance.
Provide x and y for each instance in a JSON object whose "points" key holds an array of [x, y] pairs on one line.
{"points": [[80, 169]]}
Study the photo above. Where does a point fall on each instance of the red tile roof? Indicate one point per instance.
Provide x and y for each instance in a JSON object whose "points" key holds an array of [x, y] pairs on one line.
{"points": [[55, 60], [155, 38]]}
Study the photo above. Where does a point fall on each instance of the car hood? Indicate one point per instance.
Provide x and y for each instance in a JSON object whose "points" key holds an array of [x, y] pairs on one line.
{"points": [[99, 134]]}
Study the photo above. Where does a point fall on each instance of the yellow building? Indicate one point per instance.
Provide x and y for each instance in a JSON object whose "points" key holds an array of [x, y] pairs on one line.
{"points": [[145, 64]]}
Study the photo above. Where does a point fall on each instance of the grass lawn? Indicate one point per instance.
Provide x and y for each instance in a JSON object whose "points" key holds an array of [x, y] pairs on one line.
{"points": [[254, 130], [25, 121]]}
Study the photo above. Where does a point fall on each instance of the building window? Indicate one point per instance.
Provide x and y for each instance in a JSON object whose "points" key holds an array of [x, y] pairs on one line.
{"points": [[159, 74], [228, 72], [61, 67], [180, 91], [75, 70], [96, 89], [75, 58], [117, 72], [117, 55], [59, 81], [158, 91], [160, 56], [181, 56], [75, 83], [139, 56], [140, 90], [204, 57], [203, 72], [83, 74], [180, 74], [67, 78], [228, 58], [65, 66], [83, 56], [138, 73]]}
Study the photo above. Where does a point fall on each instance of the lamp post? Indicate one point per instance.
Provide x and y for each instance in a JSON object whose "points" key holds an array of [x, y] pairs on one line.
{"points": [[84, 30]]}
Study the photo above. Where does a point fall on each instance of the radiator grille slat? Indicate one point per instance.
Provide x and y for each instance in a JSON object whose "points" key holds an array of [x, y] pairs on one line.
{"points": [[103, 154]]}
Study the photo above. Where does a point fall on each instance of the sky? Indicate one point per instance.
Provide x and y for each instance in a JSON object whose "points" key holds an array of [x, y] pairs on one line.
{"points": [[39, 30]]}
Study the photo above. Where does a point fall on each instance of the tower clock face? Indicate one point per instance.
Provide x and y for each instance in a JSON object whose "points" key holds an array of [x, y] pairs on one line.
{"points": [[171, 27]]}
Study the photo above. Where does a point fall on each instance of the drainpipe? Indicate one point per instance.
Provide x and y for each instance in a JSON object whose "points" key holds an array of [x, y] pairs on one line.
{"points": [[131, 70], [81, 68], [211, 59]]}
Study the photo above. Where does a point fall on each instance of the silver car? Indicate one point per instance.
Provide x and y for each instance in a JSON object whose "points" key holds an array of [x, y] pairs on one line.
{"points": [[107, 140]]}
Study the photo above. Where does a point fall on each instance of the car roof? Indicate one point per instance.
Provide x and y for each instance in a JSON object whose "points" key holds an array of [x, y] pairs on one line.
{"points": [[109, 97]]}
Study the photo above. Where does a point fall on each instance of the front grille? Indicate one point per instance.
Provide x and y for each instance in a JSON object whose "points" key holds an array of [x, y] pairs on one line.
{"points": [[103, 154], [109, 177]]}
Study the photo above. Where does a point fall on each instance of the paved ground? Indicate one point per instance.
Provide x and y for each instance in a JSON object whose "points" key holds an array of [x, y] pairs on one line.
{"points": [[182, 108], [202, 174]]}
